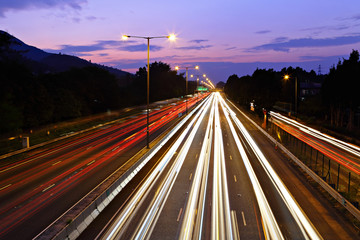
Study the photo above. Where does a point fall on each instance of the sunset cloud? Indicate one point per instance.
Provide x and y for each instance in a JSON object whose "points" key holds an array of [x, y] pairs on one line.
{"points": [[31, 4], [284, 45]]}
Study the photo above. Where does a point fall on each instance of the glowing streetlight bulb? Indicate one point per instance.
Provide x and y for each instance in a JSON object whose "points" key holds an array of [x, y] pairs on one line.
{"points": [[172, 37]]}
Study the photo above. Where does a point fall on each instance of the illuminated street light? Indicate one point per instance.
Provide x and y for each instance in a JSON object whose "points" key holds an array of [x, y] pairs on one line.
{"points": [[186, 90], [171, 37], [287, 77], [197, 78]]}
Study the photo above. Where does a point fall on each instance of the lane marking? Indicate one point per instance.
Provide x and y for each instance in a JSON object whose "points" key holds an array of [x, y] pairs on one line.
{"points": [[257, 223], [179, 215], [45, 189], [230, 157], [243, 216], [196, 155], [90, 163], [190, 176], [5, 187], [56, 163], [235, 178]]}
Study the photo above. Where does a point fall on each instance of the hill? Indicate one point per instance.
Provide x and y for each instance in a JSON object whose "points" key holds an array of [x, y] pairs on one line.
{"points": [[40, 61]]}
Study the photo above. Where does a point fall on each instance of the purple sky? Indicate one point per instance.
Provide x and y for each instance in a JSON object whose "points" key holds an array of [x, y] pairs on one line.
{"points": [[223, 37]]}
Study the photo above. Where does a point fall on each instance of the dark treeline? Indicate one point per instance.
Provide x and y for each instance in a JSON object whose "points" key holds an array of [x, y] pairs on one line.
{"points": [[336, 103], [30, 100]]}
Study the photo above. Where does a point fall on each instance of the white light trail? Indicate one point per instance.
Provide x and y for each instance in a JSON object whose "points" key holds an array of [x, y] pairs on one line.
{"points": [[192, 223], [150, 218], [128, 210], [221, 215], [271, 228], [317, 134], [306, 227]]}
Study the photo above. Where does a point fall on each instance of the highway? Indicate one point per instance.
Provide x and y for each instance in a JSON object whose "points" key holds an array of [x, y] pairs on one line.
{"points": [[38, 187], [221, 179]]}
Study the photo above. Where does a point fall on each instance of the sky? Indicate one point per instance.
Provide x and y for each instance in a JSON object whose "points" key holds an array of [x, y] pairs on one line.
{"points": [[222, 37]]}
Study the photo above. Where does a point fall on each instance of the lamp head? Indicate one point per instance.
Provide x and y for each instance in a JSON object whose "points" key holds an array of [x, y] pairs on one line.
{"points": [[172, 37]]}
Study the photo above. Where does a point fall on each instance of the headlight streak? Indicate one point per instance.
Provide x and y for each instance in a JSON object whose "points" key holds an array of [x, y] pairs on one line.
{"points": [[343, 145], [221, 215], [150, 217], [191, 228], [135, 200], [271, 228], [308, 230], [323, 145]]}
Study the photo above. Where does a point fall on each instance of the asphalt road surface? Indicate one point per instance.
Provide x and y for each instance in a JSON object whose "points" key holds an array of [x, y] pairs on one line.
{"points": [[221, 179]]}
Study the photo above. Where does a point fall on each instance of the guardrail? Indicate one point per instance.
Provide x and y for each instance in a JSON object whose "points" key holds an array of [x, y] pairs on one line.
{"points": [[337, 196]]}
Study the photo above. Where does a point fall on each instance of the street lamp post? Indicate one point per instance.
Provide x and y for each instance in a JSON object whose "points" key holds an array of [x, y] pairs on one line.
{"points": [[286, 77], [186, 88], [170, 37]]}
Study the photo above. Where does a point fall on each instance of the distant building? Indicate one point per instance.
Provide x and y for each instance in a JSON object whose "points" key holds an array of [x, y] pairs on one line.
{"points": [[309, 89]]}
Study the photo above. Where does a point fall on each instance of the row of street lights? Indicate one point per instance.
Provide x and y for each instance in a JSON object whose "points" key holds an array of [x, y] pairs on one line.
{"points": [[186, 89]]}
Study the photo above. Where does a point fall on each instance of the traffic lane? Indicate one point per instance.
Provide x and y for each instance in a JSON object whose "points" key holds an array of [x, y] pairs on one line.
{"points": [[241, 193], [329, 222], [57, 204], [283, 216], [54, 175], [45, 172], [75, 145], [49, 212], [174, 208]]}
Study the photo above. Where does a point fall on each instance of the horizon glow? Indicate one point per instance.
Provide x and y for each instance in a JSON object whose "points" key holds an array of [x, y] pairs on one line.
{"points": [[222, 37]]}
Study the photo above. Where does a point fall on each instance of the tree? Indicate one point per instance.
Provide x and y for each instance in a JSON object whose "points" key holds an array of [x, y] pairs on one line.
{"points": [[340, 91]]}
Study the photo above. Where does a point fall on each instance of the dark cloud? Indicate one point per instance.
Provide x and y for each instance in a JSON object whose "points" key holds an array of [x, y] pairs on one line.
{"points": [[200, 47], [230, 48], [140, 48], [91, 18], [199, 40], [6, 5], [76, 20], [356, 17], [327, 28], [103, 45], [263, 32], [81, 49], [284, 45]]}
